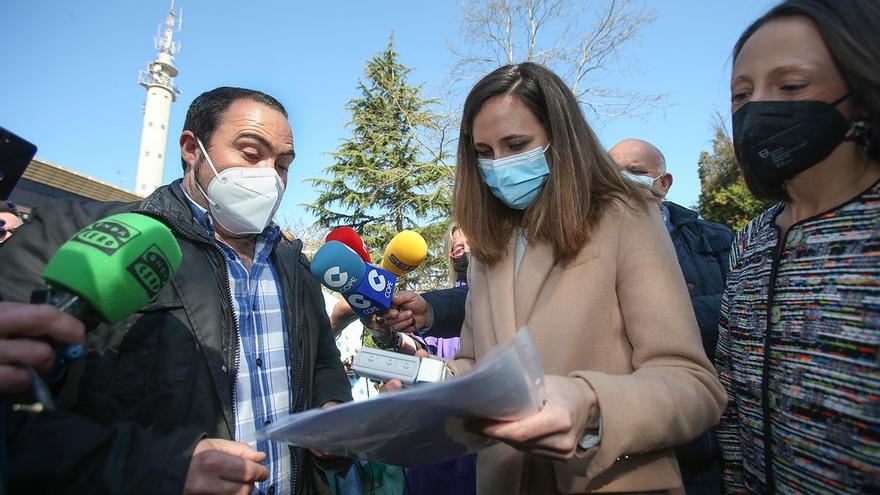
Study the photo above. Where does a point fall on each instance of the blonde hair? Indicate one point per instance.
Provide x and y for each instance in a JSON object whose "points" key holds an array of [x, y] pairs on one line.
{"points": [[450, 263]]}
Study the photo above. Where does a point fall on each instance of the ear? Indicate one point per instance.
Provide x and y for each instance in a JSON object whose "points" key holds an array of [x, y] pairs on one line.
{"points": [[189, 149], [665, 183]]}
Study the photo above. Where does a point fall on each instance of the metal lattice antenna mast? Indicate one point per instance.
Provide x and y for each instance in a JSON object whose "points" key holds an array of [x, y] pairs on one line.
{"points": [[158, 79]]}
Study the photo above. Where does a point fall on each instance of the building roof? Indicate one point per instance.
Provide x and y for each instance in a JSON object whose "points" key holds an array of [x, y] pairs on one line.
{"points": [[52, 175]]}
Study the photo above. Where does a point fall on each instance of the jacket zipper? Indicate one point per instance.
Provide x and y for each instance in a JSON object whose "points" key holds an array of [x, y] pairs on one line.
{"points": [[297, 376], [769, 483], [233, 355]]}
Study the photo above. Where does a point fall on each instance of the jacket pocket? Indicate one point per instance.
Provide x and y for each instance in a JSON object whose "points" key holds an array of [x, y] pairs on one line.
{"points": [[151, 352]]}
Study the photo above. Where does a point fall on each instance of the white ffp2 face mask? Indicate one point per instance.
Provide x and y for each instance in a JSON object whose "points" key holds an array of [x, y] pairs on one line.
{"points": [[242, 200]]}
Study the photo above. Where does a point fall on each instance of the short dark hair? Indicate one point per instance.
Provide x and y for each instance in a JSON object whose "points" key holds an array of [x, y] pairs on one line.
{"points": [[850, 31], [204, 112]]}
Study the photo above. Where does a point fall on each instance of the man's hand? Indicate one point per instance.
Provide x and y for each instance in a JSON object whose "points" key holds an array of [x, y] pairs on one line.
{"points": [[32, 320], [571, 407], [224, 467], [410, 312]]}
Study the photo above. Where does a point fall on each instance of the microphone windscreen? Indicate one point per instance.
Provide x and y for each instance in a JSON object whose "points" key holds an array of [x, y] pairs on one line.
{"points": [[337, 267], [350, 238], [116, 264], [373, 294], [406, 251]]}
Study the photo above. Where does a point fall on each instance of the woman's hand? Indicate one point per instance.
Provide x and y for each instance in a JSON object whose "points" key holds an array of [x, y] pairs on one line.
{"points": [[571, 407]]}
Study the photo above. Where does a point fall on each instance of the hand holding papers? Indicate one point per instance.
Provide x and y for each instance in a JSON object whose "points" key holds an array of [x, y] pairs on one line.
{"points": [[425, 424]]}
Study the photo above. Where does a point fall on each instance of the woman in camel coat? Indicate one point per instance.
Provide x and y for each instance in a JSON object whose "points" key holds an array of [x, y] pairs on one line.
{"points": [[561, 243]]}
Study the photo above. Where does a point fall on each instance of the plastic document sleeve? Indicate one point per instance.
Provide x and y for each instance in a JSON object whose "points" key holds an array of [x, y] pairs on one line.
{"points": [[425, 424]]}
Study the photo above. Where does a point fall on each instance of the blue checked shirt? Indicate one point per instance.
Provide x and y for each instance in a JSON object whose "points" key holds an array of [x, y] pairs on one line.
{"points": [[262, 387]]}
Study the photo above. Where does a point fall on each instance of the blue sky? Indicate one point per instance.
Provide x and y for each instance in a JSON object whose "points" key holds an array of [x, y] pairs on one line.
{"points": [[70, 73]]}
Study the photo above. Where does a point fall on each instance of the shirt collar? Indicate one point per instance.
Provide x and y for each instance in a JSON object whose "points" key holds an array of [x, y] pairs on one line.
{"points": [[200, 215], [664, 211]]}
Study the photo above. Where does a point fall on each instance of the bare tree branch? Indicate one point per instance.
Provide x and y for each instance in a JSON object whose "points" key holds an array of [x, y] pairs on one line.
{"points": [[584, 41]]}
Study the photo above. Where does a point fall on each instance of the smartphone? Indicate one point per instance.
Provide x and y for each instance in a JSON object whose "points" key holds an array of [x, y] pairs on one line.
{"points": [[15, 156]]}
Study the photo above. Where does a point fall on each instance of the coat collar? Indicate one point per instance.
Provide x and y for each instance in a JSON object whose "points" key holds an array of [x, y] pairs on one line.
{"points": [[537, 262], [679, 215], [513, 300], [499, 286]]}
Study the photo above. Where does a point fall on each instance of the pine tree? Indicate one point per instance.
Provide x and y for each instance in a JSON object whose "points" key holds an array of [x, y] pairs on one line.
{"points": [[724, 197], [383, 178]]}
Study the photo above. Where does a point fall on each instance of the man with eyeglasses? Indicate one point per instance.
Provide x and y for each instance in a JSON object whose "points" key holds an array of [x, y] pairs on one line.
{"points": [[702, 248]]}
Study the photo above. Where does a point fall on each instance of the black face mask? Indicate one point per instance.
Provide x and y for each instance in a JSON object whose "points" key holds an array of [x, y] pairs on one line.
{"points": [[460, 265], [776, 140]]}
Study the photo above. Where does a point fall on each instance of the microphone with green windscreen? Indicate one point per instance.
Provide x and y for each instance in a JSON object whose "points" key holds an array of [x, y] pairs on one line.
{"points": [[108, 270]]}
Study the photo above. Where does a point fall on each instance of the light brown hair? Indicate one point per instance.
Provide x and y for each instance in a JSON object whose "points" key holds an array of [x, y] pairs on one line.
{"points": [[583, 180]]}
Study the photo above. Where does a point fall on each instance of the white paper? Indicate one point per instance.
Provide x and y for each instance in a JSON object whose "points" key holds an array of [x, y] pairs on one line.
{"points": [[425, 424]]}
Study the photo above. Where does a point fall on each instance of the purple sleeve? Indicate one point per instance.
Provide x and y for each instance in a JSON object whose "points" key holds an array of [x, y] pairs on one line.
{"points": [[444, 348]]}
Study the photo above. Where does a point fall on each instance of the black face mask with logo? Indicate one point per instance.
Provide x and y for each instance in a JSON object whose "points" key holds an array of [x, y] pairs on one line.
{"points": [[776, 140]]}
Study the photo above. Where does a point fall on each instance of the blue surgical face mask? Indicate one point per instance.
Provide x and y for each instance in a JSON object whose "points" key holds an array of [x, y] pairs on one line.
{"points": [[641, 179], [517, 179]]}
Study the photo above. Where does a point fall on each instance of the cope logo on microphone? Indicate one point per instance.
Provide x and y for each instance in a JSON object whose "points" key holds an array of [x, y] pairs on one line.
{"points": [[334, 277], [358, 301], [362, 305], [107, 235], [379, 284], [337, 279], [151, 269]]}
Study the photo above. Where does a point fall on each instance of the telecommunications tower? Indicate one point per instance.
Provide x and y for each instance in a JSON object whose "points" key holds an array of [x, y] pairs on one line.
{"points": [[158, 78]]}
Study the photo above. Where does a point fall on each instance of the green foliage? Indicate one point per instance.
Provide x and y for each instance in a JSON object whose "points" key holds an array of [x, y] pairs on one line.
{"points": [[724, 197], [383, 179]]}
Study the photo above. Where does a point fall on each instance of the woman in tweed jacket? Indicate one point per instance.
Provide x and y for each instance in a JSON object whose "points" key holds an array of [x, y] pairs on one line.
{"points": [[799, 343]]}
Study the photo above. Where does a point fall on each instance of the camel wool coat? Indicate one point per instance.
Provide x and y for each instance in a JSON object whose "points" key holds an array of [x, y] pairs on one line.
{"points": [[616, 318]]}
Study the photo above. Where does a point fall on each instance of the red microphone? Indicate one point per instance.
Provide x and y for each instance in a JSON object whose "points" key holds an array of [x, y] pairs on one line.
{"points": [[350, 238]]}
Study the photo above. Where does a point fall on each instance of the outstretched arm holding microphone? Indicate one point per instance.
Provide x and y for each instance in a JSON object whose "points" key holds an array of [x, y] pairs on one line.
{"points": [[338, 265], [436, 313]]}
